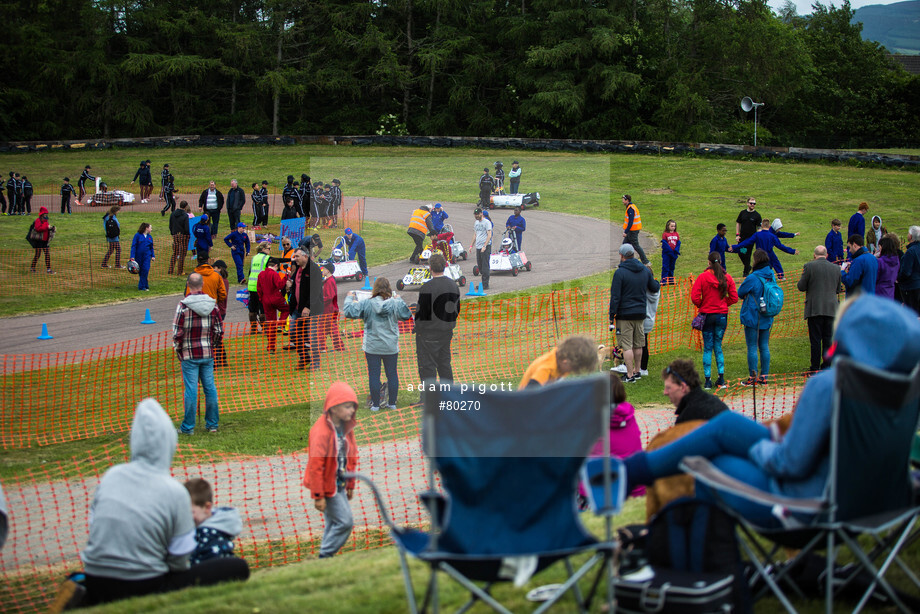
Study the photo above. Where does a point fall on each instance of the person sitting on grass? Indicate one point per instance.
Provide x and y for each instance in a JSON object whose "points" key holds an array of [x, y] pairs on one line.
{"points": [[574, 354], [141, 529], [333, 451], [216, 527]]}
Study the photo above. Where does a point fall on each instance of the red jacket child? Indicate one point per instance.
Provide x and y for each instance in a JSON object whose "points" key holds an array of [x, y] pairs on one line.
{"points": [[322, 468]]}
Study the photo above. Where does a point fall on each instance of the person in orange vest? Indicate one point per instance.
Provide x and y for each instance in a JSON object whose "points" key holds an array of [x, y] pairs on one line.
{"points": [[420, 225], [632, 224]]}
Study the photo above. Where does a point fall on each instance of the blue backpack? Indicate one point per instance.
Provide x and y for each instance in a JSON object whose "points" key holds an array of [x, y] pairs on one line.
{"points": [[772, 298]]}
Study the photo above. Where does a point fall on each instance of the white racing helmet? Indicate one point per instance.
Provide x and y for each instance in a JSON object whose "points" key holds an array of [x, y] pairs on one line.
{"points": [[133, 267], [506, 243], [337, 255]]}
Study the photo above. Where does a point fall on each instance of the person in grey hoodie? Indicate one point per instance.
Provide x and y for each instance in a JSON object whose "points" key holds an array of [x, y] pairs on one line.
{"points": [[141, 527], [381, 314]]}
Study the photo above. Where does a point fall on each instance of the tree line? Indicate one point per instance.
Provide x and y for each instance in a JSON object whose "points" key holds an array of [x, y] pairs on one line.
{"points": [[672, 70]]}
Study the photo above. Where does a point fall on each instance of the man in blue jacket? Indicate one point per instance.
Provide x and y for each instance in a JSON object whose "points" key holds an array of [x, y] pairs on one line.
{"points": [[909, 273], [356, 247], [238, 242], [765, 240], [862, 271], [628, 295]]}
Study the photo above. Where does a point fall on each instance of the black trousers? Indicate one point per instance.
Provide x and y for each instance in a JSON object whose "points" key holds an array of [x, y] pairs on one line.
{"points": [[234, 218], [820, 334], [632, 237], [745, 257], [214, 219], [912, 299], [214, 571], [482, 261], [305, 330], [65, 204], [433, 351], [419, 247]]}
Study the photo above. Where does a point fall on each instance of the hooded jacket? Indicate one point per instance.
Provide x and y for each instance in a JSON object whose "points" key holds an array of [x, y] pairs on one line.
{"points": [[213, 283], [873, 236], [888, 266], [197, 327], [42, 225], [751, 290], [202, 233], [706, 296], [141, 522], [214, 537], [628, 290], [625, 439], [320, 476], [861, 274], [798, 465], [178, 223], [381, 321], [909, 271]]}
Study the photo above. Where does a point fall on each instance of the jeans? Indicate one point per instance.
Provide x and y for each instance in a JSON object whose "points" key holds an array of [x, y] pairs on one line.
{"points": [[724, 440], [194, 369], [515, 183], [758, 339], [339, 522], [713, 332], [373, 376]]}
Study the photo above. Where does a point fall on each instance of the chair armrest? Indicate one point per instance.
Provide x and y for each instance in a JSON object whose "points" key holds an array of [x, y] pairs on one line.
{"points": [[380, 504], [436, 504], [707, 473]]}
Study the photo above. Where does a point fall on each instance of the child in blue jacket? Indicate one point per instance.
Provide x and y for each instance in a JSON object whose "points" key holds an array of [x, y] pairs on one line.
{"points": [[719, 243]]}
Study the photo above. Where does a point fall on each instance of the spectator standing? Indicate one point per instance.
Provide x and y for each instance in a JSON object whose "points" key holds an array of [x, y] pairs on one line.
{"points": [[306, 195], [713, 292], [833, 243], [11, 193], [756, 324], [164, 179], [719, 244], [632, 224], [333, 451], [435, 320], [288, 196], [420, 226], [168, 193], [381, 314], [498, 182], [3, 201], [258, 264], [628, 298], [270, 292], [572, 355], [651, 311], [202, 233], [670, 251], [682, 387], [857, 223], [861, 272], [143, 177], [179, 230], [438, 215], [305, 299], [874, 235], [197, 331], [747, 224], [263, 192], [820, 281], [67, 191], [27, 191], [335, 202], [141, 529], [330, 323], [909, 270], [236, 200], [482, 244], [212, 281], [238, 242], [888, 265], [142, 253], [112, 228], [517, 224], [514, 176], [20, 199], [42, 226], [356, 248], [256, 206], [485, 189], [212, 201], [81, 183]]}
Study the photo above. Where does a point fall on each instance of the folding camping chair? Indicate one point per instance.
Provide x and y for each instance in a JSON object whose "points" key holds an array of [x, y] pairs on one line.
{"points": [[868, 490], [508, 464]]}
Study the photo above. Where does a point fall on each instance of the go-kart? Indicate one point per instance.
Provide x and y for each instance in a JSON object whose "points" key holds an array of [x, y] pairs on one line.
{"points": [[418, 275], [344, 269], [508, 258], [451, 248], [509, 201]]}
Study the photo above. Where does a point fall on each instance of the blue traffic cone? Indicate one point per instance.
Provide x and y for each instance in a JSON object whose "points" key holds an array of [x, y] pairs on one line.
{"points": [[44, 336], [147, 319], [474, 291], [367, 283]]}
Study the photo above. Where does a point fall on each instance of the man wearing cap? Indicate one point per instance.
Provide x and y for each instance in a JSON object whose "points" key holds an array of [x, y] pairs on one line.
{"points": [[238, 242], [438, 215], [236, 198], [212, 201], [514, 176], [482, 244], [419, 227], [356, 247], [632, 224], [628, 297], [485, 188]]}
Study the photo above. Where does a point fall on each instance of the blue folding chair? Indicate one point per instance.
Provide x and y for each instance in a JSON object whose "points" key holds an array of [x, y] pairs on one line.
{"points": [[508, 464]]}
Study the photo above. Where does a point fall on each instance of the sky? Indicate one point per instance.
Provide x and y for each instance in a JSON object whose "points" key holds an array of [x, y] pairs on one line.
{"points": [[803, 7]]}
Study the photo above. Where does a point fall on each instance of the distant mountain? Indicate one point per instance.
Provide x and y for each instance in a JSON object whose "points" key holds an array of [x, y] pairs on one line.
{"points": [[896, 26]]}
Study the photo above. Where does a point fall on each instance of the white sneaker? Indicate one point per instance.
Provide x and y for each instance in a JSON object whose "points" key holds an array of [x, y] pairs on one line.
{"points": [[391, 407], [375, 408], [619, 369], [643, 372]]}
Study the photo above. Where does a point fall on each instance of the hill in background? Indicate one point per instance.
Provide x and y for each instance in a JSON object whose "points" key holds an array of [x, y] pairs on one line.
{"points": [[896, 26]]}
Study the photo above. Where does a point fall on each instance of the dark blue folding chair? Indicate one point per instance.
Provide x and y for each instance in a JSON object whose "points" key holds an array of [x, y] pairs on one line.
{"points": [[868, 490], [508, 465]]}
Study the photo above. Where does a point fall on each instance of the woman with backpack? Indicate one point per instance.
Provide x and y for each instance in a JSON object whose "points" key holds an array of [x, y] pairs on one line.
{"points": [[112, 233], [713, 292], [39, 235], [142, 253], [754, 316]]}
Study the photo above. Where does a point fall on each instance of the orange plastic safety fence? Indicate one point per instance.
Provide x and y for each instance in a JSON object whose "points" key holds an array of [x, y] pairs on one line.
{"points": [[49, 506], [58, 397]]}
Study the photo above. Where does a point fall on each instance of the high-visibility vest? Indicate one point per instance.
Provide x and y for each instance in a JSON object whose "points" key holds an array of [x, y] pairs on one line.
{"points": [[286, 266], [418, 221], [637, 221], [259, 262]]}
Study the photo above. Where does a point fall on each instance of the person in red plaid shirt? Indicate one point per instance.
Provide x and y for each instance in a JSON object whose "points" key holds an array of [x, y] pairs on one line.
{"points": [[197, 331]]}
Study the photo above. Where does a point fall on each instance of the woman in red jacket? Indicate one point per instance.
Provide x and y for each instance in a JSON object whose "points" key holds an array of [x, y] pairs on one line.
{"points": [[44, 229], [270, 286], [713, 292]]}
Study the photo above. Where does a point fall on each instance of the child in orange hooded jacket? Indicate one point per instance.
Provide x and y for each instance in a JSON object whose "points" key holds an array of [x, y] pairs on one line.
{"points": [[334, 451]]}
